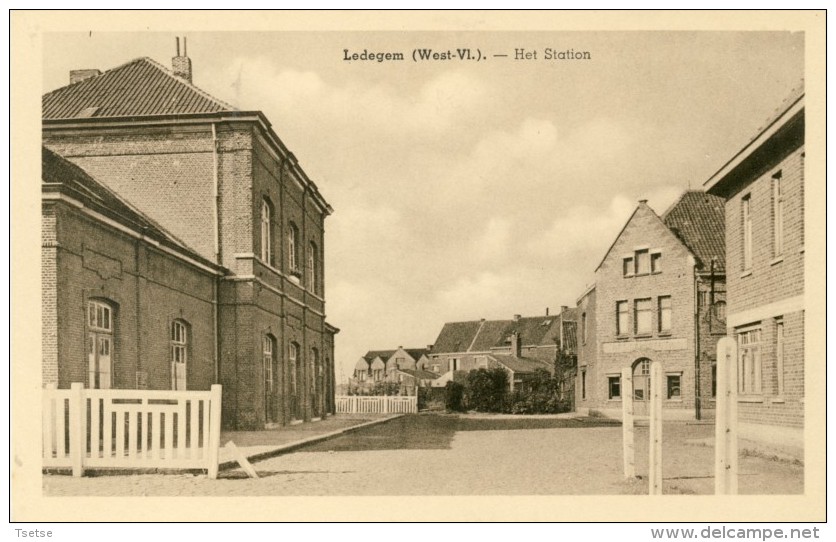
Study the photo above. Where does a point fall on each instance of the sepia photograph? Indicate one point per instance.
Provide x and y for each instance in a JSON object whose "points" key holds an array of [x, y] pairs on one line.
{"points": [[526, 257]]}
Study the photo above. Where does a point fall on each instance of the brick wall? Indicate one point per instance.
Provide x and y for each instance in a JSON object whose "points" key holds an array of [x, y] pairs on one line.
{"points": [[146, 288], [585, 395], [49, 296]]}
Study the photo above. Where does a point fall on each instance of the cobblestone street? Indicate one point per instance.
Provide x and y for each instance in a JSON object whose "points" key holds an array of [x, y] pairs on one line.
{"points": [[453, 455]]}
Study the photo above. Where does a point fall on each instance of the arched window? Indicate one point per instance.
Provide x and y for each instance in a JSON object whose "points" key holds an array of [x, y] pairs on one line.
{"points": [[266, 231], [100, 327], [312, 271], [179, 353], [720, 310], [267, 354], [292, 248]]}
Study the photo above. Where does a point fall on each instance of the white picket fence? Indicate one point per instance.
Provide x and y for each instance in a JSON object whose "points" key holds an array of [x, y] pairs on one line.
{"points": [[361, 404], [86, 428]]}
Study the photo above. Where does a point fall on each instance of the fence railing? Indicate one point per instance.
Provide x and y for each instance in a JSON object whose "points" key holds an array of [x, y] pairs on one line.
{"points": [[363, 404], [85, 428]]}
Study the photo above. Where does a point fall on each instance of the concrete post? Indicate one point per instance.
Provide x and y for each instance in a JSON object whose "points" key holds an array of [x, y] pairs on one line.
{"points": [[77, 430], [725, 427], [627, 432], [655, 464]]}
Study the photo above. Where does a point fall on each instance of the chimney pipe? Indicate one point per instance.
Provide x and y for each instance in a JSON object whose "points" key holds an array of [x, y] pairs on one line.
{"points": [[181, 66], [516, 345], [564, 308], [547, 311]]}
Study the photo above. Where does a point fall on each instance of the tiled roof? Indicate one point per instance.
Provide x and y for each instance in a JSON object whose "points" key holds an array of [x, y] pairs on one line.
{"points": [[570, 337], [59, 174], [490, 334], [382, 354], [533, 330], [520, 365], [416, 353], [455, 337], [698, 220], [141, 87], [420, 375]]}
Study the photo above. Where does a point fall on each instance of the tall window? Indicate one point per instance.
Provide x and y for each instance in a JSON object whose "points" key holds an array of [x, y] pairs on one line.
{"points": [[266, 234], [292, 247], [622, 318], [583, 327], [583, 384], [747, 232], [292, 355], [627, 267], [643, 317], [642, 262], [656, 262], [720, 310], [777, 215], [665, 313], [674, 386], [614, 387], [779, 355], [749, 365], [179, 354], [312, 267], [313, 370], [454, 364], [267, 360], [100, 344]]}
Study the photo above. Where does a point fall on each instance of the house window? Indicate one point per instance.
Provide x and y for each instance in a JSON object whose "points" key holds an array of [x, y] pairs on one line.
{"points": [[627, 267], [714, 379], [642, 262], [292, 247], [583, 327], [749, 363], [400, 363], [267, 350], [454, 364], [656, 262], [583, 384], [643, 317], [312, 267], [779, 355], [720, 310], [100, 345], [266, 233], [622, 321], [665, 314], [292, 355], [747, 232], [777, 215], [614, 387], [179, 354], [313, 370], [674, 386]]}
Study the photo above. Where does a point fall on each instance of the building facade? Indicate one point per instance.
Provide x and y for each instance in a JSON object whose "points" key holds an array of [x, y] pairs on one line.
{"points": [[659, 295], [763, 189], [224, 185]]}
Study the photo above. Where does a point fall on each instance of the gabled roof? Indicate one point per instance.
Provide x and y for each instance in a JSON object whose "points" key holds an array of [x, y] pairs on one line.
{"points": [[141, 87], [59, 175], [490, 333], [520, 365], [456, 337], [382, 354], [698, 220], [416, 353], [420, 375]]}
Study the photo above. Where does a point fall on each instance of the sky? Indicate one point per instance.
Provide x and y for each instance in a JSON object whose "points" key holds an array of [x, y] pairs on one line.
{"points": [[476, 189]]}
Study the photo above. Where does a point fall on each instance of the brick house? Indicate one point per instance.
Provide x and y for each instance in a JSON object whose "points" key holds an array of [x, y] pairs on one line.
{"points": [[547, 342], [763, 189], [222, 183], [381, 365], [659, 294]]}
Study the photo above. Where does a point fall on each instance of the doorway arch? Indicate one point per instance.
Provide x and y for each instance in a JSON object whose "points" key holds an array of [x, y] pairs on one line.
{"points": [[641, 386]]}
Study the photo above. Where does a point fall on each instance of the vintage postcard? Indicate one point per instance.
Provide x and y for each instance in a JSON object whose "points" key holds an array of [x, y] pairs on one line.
{"points": [[499, 265]]}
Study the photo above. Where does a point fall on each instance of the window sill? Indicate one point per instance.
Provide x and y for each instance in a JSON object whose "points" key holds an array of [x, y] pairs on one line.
{"points": [[672, 400], [622, 337], [777, 400], [614, 400], [777, 260], [746, 273], [644, 336], [665, 333], [750, 398]]}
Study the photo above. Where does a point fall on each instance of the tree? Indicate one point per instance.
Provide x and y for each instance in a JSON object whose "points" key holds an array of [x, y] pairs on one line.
{"points": [[486, 389]]}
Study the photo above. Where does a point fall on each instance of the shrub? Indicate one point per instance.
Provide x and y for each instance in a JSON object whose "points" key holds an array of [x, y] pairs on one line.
{"points": [[453, 397], [485, 389], [386, 388], [541, 395]]}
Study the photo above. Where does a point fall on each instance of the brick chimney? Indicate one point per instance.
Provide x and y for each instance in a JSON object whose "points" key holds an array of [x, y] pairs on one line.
{"points": [[182, 65], [516, 345], [81, 75]]}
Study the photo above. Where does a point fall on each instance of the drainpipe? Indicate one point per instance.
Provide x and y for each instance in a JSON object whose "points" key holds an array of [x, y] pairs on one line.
{"points": [[697, 405], [216, 235]]}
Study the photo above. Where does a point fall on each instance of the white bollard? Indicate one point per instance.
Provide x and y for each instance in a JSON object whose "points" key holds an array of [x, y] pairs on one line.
{"points": [[655, 464], [627, 431], [725, 424]]}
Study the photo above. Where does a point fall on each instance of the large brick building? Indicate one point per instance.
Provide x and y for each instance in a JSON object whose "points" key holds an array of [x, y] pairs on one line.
{"points": [[659, 295], [225, 190], [763, 187]]}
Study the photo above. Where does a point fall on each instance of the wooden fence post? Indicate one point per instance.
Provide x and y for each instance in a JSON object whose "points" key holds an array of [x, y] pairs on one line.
{"points": [[627, 432], [214, 430], [655, 464], [725, 425], [78, 431]]}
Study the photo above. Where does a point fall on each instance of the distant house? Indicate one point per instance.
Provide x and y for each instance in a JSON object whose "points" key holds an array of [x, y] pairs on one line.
{"points": [[521, 345], [385, 365], [659, 295], [762, 186]]}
